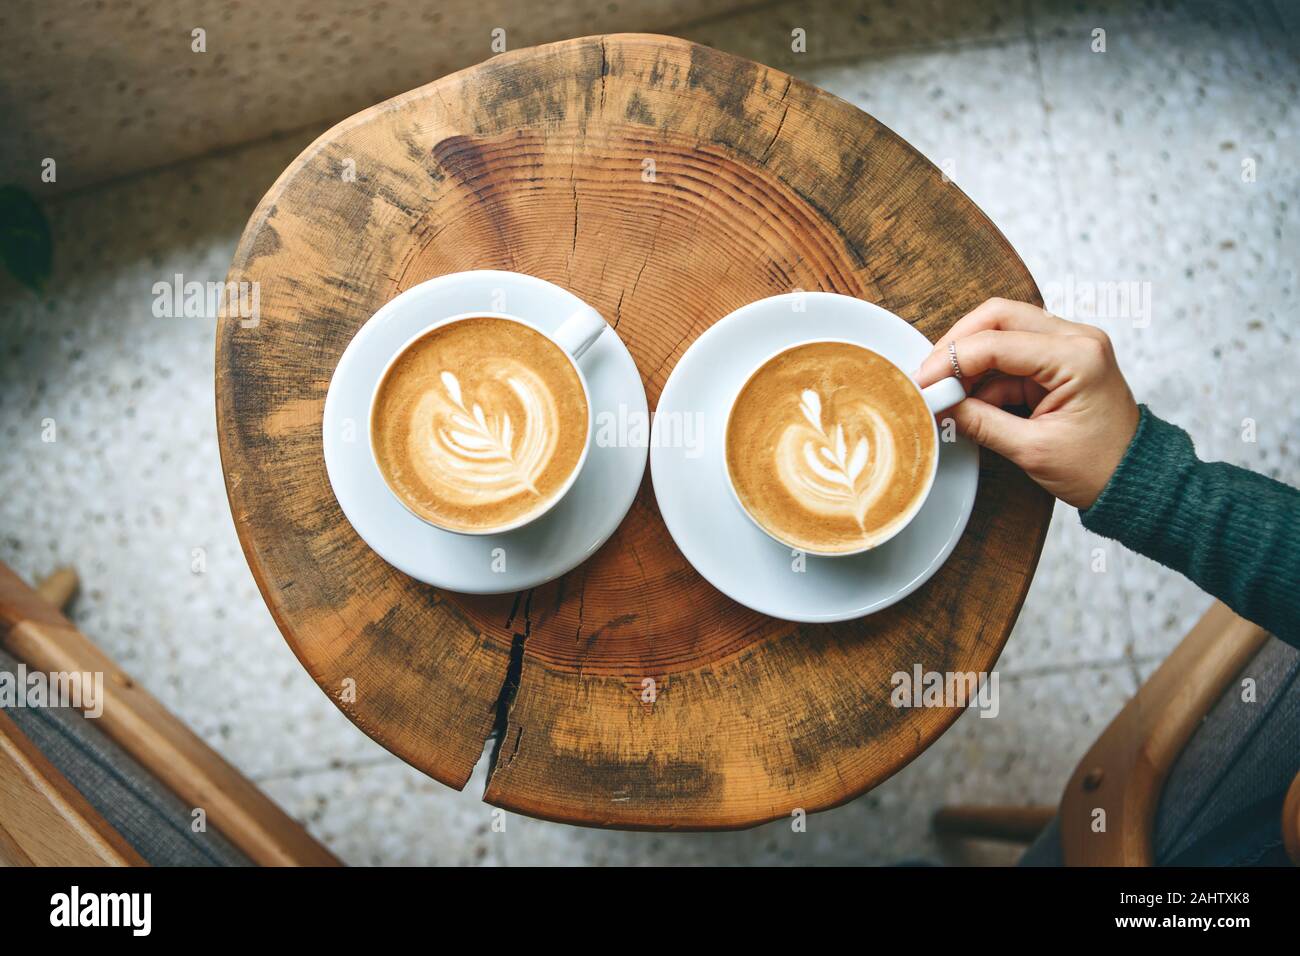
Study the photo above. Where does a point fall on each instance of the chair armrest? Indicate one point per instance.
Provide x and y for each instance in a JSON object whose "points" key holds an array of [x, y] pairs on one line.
{"points": [[44, 819], [1124, 771], [1291, 821], [37, 633]]}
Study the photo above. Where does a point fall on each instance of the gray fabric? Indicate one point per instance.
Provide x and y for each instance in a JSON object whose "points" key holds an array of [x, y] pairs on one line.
{"points": [[148, 815], [1244, 755], [1222, 802]]}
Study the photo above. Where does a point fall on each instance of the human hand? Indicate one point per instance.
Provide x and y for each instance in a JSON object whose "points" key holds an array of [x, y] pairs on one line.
{"points": [[1082, 414]]}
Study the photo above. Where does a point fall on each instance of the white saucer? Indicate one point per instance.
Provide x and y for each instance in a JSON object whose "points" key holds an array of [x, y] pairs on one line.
{"points": [[708, 525], [485, 564]]}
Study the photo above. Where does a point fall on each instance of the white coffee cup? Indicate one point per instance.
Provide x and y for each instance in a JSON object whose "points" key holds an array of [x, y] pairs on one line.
{"points": [[574, 336], [942, 395]]}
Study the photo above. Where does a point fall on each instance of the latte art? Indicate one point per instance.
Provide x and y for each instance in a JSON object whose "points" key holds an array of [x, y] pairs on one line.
{"points": [[480, 454], [479, 424], [829, 447], [818, 469]]}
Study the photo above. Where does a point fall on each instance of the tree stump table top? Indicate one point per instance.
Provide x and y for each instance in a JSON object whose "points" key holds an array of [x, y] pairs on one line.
{"points": [[536, 161]]}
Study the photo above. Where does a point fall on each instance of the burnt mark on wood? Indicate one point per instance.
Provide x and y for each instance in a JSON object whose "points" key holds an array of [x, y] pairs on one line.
{"points": [[823, 721], [727, 79], [470, 161], [855, 249], [611, 779], [400, 199], [657, 71], [394, 639], [266, 241], [462, 157], [638, 112], [613, 623], [385, 634], [513, 90], [413, 145]]}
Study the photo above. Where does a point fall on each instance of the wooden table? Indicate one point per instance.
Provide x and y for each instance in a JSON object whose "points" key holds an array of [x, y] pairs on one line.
{"points": [[667, 184]]}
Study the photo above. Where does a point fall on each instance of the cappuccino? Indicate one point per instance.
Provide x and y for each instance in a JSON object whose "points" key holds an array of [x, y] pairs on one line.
{"points": [[479, 424], [830, 447]]}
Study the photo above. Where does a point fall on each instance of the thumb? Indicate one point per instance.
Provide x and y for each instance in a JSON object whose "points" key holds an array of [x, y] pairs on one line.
{"points": [[990, 426]]}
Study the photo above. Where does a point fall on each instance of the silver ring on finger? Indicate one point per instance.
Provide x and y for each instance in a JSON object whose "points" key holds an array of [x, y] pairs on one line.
{"points": [[952, 358]]}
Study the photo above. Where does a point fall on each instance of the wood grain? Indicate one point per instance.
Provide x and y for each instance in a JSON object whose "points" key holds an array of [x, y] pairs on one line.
{"points": [[536, 161], [44, 819]]}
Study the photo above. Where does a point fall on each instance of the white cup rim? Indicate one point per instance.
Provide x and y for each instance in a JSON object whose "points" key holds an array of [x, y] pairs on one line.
{"points": [[573, 475], [916, 507]]}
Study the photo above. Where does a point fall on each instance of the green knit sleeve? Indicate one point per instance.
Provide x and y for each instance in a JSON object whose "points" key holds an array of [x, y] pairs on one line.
{"points": [[1233, 533]]}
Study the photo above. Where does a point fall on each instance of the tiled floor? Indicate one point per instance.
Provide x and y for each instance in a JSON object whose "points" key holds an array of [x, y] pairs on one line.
{"points": [[1100, 167]]}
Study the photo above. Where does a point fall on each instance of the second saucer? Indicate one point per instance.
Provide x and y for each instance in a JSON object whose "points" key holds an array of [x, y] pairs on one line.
{"points": [[512, 560]]}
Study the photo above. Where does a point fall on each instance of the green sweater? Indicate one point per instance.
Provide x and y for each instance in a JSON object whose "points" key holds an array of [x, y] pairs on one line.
{"points": [[1233, 533]]}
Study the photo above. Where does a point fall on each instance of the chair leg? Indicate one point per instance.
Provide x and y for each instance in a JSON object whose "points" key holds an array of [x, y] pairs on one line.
{"points": [[59, 586], [1009, 824]]}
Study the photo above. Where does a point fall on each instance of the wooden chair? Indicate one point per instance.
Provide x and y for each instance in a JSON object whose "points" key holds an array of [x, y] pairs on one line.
{"points": [[46, 820], [1125, 770]]}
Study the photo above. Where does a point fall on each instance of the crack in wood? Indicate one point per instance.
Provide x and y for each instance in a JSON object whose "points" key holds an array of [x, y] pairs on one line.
{"points": [[618, 309], [582, 601], [780, 125], [604, 71], [574, 248], [772, 141], [505, 701]]}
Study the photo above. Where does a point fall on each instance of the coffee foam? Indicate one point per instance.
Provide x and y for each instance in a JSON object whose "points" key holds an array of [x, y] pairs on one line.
{"points": [[479, 424], [830, 447]]}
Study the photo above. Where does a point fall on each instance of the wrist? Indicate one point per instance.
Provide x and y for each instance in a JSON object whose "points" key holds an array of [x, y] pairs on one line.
{"points": [[1110, 454], [1123, 506]]}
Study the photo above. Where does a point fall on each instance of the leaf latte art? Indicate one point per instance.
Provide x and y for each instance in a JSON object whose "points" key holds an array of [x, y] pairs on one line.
{"points": [[829, 447], [481, 454], [818, 469], [479, 424]]}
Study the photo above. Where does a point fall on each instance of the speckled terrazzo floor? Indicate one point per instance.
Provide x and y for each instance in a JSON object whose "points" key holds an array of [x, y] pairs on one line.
{"points": [[1099, 167]]}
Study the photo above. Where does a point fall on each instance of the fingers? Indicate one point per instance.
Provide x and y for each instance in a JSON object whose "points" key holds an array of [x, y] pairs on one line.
{"points": [[1008, 316], [1005, 390], [995, 429], [999, 315], [1028, 354]]}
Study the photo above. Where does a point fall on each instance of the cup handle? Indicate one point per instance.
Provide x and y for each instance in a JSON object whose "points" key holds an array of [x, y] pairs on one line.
{"points": [[943, 394], [579, 331]]}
